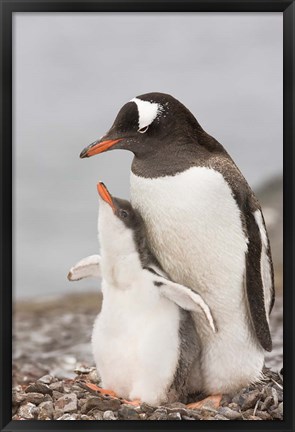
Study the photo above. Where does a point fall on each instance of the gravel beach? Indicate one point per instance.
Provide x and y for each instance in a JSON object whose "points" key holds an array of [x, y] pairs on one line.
{"points": [[52, 362], [50, 398]]}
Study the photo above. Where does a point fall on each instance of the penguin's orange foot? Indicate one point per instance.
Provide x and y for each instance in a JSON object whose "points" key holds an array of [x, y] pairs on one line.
{"points": [[111, 393], [212, 401], [102, 391], [135, 402]]}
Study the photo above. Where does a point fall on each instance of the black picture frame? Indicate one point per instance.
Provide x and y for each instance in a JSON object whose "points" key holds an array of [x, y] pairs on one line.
{"points": [[8, 7]]}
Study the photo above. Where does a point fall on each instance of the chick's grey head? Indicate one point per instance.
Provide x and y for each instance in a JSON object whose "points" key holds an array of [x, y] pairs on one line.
{"points": [[146, 124], [118, 223]]}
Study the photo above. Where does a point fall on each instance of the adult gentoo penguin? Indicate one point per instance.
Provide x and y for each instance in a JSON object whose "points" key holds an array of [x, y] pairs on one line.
{"points": [[205, 227], [140, 337]]}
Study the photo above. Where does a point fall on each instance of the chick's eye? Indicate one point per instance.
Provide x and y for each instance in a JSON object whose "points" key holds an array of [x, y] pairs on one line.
{"points": [[143, 130], [123, 214]]}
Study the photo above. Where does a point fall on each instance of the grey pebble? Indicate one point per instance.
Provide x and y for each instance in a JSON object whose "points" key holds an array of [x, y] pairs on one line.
{"points": [[68, 417], [18, 398], [181, 411], [98, 415], [81, 403], [278, 412], [81, 369], [25, 411], [143, 416], [57, 386], [127, 412], [158, 416], [35, 412], [146, 408], [46, 379], [263, 415], [48, 398], [38, 387], [67, 403], [249, 400], [220, 417], [45, 411], [57, 413], [174, 416], [275, 396], [267, 403], [195, 414], [102, 404], [94, 377], [185, 417], [161, 410], [109, 415], [56, 395], [233, 406], [280, 395], [229, 413], [85, 417], [35, 398]]}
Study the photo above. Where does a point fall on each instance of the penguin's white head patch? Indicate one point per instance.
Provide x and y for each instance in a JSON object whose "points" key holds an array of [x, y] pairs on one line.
{"points": [[147, 113]]}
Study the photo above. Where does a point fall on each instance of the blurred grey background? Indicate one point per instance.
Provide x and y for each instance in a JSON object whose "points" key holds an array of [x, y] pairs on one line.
{"points": [[73, 72]]}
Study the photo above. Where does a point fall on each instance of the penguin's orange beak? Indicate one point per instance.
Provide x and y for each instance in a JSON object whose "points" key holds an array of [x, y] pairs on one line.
{"points": [[98, 147], [105, 195]]}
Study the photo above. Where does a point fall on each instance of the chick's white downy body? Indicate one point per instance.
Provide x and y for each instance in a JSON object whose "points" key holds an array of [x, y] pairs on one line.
{"points": [[195, 230], [135, 337]]}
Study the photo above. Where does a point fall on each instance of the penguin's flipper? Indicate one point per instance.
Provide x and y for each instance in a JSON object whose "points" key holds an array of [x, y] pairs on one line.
{"points": [[184, 297], [187, 299], [259, 276], [85, 268]]}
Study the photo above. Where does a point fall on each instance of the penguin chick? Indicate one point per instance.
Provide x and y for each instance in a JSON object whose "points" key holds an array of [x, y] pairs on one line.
{"points": [[144, 340]]}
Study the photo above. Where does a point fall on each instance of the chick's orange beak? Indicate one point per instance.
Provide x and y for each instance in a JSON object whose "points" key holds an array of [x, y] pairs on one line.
{"points": [[98, 147], [105, 195]]}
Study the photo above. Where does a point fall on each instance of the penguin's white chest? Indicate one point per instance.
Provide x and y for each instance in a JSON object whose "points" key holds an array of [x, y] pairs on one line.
{"points": [[194, 228]]}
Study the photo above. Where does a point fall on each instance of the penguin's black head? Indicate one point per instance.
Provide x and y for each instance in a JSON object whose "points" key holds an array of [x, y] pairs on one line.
{"points": [[122, 209], [146, 124]]}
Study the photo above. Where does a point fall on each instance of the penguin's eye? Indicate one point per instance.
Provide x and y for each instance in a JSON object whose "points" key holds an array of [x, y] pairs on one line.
{"points": [[143, 130], [123, 214]]}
